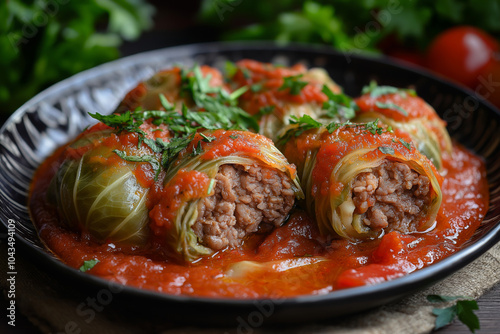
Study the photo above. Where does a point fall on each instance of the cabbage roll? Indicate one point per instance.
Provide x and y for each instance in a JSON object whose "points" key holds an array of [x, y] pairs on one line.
{"points": [[276, 93], [171, 84], [402, 109], [363, 180], [224, 186], [100, 193]]}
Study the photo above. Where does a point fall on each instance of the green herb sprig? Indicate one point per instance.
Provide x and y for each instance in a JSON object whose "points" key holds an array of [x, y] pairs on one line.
{"points": [[294, 84], [463, 309], [339, 104]]}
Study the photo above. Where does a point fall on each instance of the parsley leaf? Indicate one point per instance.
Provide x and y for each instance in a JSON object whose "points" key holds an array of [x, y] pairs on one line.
{"points": [[87, 265], [230, 69], [405, 144], [392, 106], [233, 136], [151, 159], [197, 150], [339, 104], [256, 87], [303, 123], [294, 84], [207, 139], [264, 111], [464, 309], [377, 91], [373, 127], [386, 150]]}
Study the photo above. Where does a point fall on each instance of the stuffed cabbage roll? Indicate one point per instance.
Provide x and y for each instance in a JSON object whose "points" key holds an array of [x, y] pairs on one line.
{"points": [[170, 83], [224, 186], [402, 109], [276, 93], [100, 193], [361, 180]]}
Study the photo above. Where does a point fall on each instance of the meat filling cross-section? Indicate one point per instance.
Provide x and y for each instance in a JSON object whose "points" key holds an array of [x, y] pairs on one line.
{"points": [[245, 197], [391, 197]]}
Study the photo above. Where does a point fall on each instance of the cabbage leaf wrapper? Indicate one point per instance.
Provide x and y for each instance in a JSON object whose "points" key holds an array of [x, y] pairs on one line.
{"points": [[361, 180], [146, 94], [408, 112], [223, 187], [99, 193], [277, 92]]}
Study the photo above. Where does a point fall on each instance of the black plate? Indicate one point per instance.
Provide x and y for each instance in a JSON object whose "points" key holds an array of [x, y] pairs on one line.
{"points": [[59, 113]]}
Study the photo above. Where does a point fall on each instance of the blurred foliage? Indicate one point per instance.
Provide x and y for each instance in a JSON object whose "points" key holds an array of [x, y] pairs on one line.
{"points": [[348, 24], [45, 41]]}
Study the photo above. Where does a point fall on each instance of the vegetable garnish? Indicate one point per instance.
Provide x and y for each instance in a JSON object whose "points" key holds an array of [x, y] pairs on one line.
{"points": [[386, 150], [392, 106], [264, 111], [87, 265], [339, 104], [463, 308], [376, 91], [294, 84], [405, 144], [306, 122], [217, 110]]}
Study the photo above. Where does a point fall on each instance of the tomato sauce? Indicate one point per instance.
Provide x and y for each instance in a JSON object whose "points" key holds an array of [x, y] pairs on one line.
{"points": [[292, 260]]}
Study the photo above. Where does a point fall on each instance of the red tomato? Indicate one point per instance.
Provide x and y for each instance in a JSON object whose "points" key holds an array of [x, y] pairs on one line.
{"points": [[461, 53]]}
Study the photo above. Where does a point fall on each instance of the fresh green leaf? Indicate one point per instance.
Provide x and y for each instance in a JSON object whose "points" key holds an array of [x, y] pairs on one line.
{"points": [[207, 139], [391, 106], [230, 69], [197, 150], [373, 127], [293, 84], [386, 150], [151, 159], [89, 264], [256, 87], [267, 110], [465, 312], [339, 104], [463, 308], [405, 144], [377, 91], [165, 103]]}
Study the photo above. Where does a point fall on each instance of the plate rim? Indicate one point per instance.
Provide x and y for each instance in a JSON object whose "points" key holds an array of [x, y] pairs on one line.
{"points": [[426, 276]]}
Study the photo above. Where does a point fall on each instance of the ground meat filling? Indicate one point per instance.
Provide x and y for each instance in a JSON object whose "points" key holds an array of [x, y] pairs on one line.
{"points": [[391, 196], [245, 198]]}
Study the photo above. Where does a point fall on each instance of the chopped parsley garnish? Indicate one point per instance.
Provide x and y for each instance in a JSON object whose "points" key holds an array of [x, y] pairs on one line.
{"points": [[256, 87], [463, 308], [306, 122], [215, 109], [87, 265], [294, 84], [303, 123], [392, 106], [233, 136], [230, 69], [339, 104], [373, 128], [377, 91], [405, 144], [207, 139], [151, 159], [386, 150], [264, 111]]}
